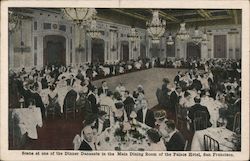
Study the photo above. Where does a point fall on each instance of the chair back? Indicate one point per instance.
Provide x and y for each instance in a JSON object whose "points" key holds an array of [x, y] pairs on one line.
{"points": [[70, 105], [237, 123], [210, 144], [181, 112], [105, 108], [200, 120]]}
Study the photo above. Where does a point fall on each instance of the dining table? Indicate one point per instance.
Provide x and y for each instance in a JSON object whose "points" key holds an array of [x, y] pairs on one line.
{"points": [[27, 120], [225, 137], [132, 140], [62, 91], [213, 107]]}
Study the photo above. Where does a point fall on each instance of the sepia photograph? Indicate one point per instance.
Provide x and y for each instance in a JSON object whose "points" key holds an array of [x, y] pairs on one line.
{"points": [[130, 81]]}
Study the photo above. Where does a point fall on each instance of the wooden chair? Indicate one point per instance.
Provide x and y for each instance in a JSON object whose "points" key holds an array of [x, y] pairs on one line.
{"points": [[181, 115], [200, 120], [237, 122], [51, 107], [50, 110], [70, 107], [211, 144]]}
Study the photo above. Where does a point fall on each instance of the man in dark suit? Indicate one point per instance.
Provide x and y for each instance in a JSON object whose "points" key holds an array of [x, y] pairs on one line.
{"points": [[101, 122], [92, 97], [103, 89], [79, 75], [145, 115], [44, 82], [38, 100], [175, 98], [177, 78], [174, 140], [196, 84], [87, 142], [89, 73], [129, 103], [199, 108], [26, 93], [71, 80]]}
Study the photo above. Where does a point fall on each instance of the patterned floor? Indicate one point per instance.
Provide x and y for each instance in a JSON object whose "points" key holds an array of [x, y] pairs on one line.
{"points": [[58, 134]]}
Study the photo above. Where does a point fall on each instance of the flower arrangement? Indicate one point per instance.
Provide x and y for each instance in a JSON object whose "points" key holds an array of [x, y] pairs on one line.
{"points": [[136, 134], [120, 133]]}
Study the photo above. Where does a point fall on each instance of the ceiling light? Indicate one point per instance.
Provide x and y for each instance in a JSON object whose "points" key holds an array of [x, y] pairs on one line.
{"points": [[156, 27]]}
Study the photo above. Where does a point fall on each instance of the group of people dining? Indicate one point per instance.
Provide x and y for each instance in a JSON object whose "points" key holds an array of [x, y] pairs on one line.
{"points": [[215, 90], [160, 133]]}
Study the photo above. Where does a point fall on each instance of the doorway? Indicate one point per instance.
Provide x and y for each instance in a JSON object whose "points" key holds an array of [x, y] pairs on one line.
{"points": [[143, 51], [193, 50], [155, 50], [54, 52], [124, 51], [97, 51], [220, 46]]}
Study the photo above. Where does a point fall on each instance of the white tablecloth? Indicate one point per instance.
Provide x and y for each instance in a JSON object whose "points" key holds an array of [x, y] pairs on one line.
{"points": [[106, 71], [130, 144], [222, 135], [28, 119], [213, 109], [137, 65]]}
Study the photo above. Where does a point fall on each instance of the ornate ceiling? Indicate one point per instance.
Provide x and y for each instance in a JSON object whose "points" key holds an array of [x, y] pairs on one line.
{"points": [[139, 16]]}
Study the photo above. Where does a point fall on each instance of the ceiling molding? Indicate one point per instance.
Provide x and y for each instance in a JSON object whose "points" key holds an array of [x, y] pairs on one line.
{"points": [[165, 15], [235, 17], [135, 15], [205, 14]]}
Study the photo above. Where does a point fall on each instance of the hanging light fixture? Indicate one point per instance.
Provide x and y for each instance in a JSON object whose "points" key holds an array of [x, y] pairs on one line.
{"points": [[80, 16], [182, 33], [93, 32], [197, 37], [133, 35], [204, 40], [170, 40], [156, 27]]}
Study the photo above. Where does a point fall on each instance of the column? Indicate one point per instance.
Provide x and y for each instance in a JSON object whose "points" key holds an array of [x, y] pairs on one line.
{"points": [[11, 51], [204, 51], [89, 50], [40, 51]]}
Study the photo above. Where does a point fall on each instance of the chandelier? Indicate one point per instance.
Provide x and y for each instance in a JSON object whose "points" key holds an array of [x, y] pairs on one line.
{"points": [[197, 37], [80, 16], [205, 40], [93, 32], [133, 35], [182, 34], [156, 27], [170, 40]]}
